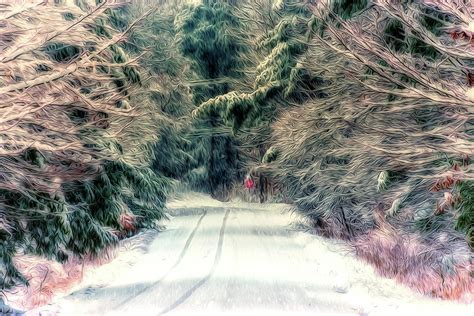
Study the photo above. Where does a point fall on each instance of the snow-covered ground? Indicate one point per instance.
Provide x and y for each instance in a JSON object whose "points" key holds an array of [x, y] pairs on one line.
{"points": [[239, 259]]}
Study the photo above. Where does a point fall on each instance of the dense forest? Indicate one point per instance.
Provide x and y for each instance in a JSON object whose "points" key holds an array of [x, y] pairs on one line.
{"points": [[358, 113]]}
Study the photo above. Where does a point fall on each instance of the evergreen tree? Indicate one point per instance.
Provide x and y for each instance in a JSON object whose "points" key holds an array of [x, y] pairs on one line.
{"points": [[76, 175], [207, 37], [278, 69], [276, 49]]}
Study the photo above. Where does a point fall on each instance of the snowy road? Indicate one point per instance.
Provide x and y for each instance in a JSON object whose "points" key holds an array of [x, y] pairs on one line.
{"points": [[241, 259]]}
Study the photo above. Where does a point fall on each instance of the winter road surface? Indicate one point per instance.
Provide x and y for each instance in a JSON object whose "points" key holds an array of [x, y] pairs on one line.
{"points": [[241, 259]]}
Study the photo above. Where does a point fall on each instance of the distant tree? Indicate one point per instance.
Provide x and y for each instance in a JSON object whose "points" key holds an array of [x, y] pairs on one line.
{"points": [[207, 36], [276, 37], [277, 51]]}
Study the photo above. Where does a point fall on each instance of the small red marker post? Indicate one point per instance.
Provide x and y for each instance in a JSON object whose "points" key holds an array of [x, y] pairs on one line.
{"points": [[248, 183]]}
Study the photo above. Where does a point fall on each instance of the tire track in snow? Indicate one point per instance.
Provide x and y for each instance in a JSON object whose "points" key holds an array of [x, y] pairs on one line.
{"points": [[177, 262], [217, 259]]}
